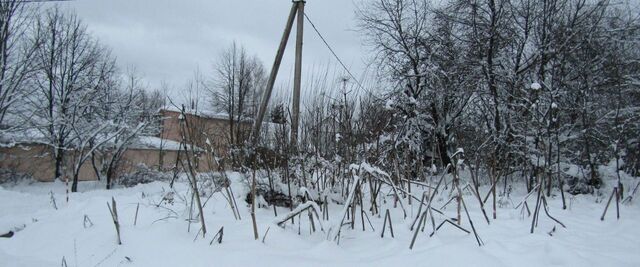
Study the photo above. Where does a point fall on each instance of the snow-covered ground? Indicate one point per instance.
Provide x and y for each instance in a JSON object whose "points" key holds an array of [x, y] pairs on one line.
{"points": [[44, 235]]}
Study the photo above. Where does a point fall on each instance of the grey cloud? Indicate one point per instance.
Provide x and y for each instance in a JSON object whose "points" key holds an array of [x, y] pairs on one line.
{"points": [[167, 40]]}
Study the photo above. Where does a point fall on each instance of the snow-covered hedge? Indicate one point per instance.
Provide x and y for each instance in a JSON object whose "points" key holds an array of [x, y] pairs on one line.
{"points": [[8, 176], [142, 175]]}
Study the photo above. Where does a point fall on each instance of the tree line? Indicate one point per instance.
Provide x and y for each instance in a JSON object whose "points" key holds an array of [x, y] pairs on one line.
{"points": [[527, 87]]}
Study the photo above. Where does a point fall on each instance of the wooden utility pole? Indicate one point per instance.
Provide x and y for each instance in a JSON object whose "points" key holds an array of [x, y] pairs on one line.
{"points": [[255, 133], [296, 8], [297, 77]]}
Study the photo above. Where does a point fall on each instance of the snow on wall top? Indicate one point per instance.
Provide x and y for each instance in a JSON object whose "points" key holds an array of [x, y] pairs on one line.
{"points": [[153, 142], [197, 112]]}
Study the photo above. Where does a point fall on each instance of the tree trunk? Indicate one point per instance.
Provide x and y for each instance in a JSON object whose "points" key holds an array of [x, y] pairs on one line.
{"points": [[441, 141], [59, 162]]}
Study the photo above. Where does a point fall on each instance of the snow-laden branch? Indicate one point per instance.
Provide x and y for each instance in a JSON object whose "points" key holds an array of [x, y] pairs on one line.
{"points": [[334, 230]]}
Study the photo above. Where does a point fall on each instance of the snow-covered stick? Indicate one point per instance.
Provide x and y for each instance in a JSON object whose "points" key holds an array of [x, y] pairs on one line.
{"points": [[190, 219], [476, 190], [423, 216], [524, 199], [114, 215], [424, 195], [418, 183], [629, 198], [53, 200], [536, 210], [325, 210], [66, 185], [214, 161], [135, 219], [475, 233], [387, 217], [233, 198], [313, 225], [524, 208], [185, 131], [452, 223], [218, 236], [415, 233], [265, 234], [364, 215], [334, 231], [253, 201], [86, 222], [546, 211], [396, 194], [395, 189], [614, 192], [299, 209]]}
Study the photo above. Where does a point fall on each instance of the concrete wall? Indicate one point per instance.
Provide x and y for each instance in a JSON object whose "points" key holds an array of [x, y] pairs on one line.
{"points": [[37, 161]]}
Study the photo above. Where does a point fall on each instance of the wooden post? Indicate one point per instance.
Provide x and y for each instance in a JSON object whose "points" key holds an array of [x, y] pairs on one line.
{"points": [[272, 76], [297, 76]]}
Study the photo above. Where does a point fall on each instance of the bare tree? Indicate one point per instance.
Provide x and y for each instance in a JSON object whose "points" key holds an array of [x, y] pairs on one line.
{"points": [[237, 82], [17, 52], [71, 67]]}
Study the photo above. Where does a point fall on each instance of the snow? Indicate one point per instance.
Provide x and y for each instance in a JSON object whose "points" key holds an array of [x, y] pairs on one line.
{"points": [[153, 142], [198, 112], [46, 235], [13, 138], [535, 86], [389, 104]]}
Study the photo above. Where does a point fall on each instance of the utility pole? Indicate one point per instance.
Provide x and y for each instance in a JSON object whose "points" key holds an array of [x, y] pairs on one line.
{"points": [[297, 76], [297, 8]]}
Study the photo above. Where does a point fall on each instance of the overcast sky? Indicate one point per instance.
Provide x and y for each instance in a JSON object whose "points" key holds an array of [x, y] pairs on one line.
{"points": [[167, 40]]}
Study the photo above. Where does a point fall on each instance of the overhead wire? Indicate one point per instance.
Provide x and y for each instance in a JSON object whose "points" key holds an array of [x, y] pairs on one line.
{"points": [[333, 52]]}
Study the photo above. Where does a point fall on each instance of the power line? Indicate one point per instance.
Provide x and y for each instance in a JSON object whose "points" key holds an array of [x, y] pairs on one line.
{"points": [[333, 52]]}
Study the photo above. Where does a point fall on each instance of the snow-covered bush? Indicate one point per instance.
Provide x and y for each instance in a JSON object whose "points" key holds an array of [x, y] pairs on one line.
{"points": [[273, 192], [142, 175], [9, 176]]}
